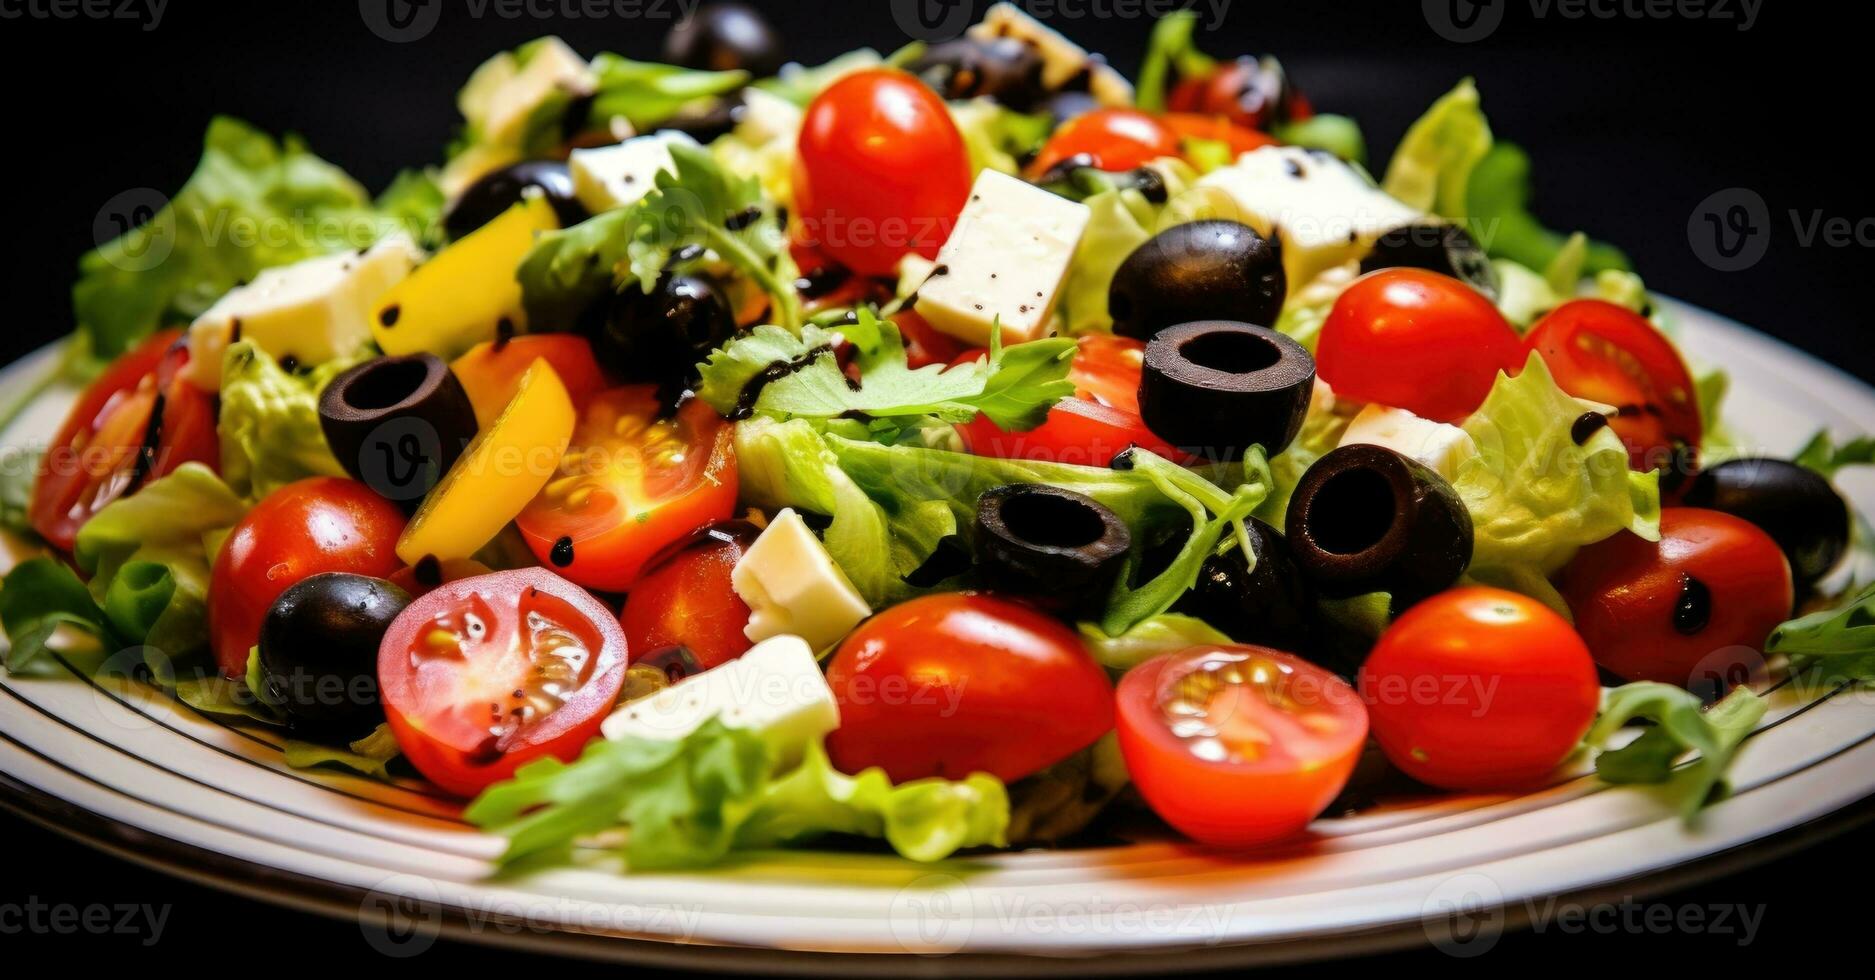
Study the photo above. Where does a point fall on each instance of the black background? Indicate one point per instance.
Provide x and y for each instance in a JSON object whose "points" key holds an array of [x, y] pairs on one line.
{"points": [[1632, 121]]}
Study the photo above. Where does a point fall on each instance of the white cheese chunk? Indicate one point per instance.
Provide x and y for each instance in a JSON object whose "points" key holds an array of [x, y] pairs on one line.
{"points": [[1005, 261], [1326, 212], [621, 175], [1062, 59], [504, 92], [792, 586], [767, 116], [311, 311], [1439, 447], [776, 690]]}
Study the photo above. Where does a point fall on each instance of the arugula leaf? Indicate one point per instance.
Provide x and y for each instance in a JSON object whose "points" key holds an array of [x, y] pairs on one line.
{"points": [[1681, 724], [39, 596], [645, 93], [1825, 456], [1845, 631]]}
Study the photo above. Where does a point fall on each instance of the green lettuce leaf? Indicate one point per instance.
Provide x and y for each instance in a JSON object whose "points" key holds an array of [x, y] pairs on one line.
{"points": [[1120, 220], [997, 137], [40, 595], [1164, 633], [1322, 428], [415, 202], [1681, 724], [1824, 455], [269, 427], [646, 94], [369, 756], [19, 468], [1497, 202], [1171, 53], [1334, 134], [800, 83], [1432, 167], [1845, 631]]}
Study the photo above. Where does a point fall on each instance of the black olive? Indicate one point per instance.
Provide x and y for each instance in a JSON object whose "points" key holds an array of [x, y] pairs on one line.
{"points": [[663, 335], [1046, 541], [1267, 605], [706, 121], [725, 37], [1002, 68], [1203, 270], [677, 662], [1063, 106], [1436, 247], [1795, 505], [1367, 519], [502, 189], [319, 651], [1216, 388], [397, 423]]}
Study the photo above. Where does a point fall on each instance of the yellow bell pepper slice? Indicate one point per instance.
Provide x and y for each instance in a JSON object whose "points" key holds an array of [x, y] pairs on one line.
{"points": [[464, 294]]}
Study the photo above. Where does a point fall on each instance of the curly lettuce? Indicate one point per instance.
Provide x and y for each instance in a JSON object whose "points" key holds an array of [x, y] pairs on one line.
{"points": [[269, 428], [1121, 219]]}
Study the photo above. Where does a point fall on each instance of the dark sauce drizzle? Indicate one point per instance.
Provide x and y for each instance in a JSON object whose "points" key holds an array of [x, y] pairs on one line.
{"points": [[752, 392]]}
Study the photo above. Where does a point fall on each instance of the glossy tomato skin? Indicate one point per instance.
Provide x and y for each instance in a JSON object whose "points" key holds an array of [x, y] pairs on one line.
{"points": [[104, 450], [923, 344], [321, 524], [1479, 689], [881, 171], [1108, 139], [1416, 340], [1610, 354], [1308, 737], [491, 371], [1217, 129], [685, 599], [630, 484], [956, 683], [472, 696], [1099, 423], [1692, 609]]}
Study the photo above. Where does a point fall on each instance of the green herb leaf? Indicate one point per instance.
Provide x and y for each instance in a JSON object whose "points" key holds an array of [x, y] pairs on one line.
{"points": [[1825, 456], [646, 94], [1164, 633], [39, 596], [1681, 724], [369, 756]]}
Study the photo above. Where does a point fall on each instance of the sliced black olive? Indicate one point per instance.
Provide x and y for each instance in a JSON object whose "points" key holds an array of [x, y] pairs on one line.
{"points": [[1216, 388], [1437, 247], [1268, 604], [496, 192], [663, 335], [1001, 68], [397, 423], [1041, 540], [1203, 270], [1795, 505], [319, 651], [1367, 519], [725, 37]]}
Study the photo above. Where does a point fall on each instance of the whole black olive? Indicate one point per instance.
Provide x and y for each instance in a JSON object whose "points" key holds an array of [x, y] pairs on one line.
{"points": [[1267, 605], [1367, 519], [1436, 247], [1216, 388], [397, 423], [319, 651], [1203, 270], [1795, 505], [1002, 68], [664, 334], [1046, 541], [500, 190], [725, 37]]}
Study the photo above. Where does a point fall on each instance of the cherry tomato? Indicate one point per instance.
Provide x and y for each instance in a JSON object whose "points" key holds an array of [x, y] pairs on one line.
{"points": [[1089, 429], [881, 171], [1238, 745], [1611, 354], [486, 674], [1692, 609], [956, 683], [1479, 689], [322, 524], [1416, 340], [1109, 139], [137, 422], [685, 598], [1249, 92], [1217, 129], [491, 371], [631, 483]]}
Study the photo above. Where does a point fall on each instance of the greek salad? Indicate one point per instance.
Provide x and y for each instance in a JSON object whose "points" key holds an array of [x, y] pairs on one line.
{"points": [[957, 448]]}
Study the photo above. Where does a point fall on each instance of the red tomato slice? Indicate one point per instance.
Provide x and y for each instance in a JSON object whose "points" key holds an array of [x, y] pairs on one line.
{"points": [[491, 371], [1109, 139], [1100, 422], [1238, 745], [138, 421], [630, 484], [483, 675], [685, 598]]}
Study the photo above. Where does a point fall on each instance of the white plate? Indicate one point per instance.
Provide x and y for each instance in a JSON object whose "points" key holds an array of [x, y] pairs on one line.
{"points": [[126, 768]]}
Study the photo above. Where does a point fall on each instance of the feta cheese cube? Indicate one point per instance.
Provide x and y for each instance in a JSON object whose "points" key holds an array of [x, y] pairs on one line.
{"points": [[504, 92], [1325, 211], [792, 586], [621, 175], [1439, 447], [1005, 261], [1062, 59]]}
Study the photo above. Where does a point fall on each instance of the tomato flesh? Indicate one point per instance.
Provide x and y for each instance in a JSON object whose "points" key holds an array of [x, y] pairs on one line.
{"points": [[1107, 139], [1100, 422], [686, 600], [491, 371]]}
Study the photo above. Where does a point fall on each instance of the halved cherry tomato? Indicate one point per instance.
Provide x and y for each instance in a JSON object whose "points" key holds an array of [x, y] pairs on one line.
{"points": [[956, 683], [1238, 745], [1611, 354], [1089, 429], [491, 371], [486, 674], [1217, 129], [1479, 689], [1692, 609], [630, 484], [1416, 340], [321, 524], [881, 171], [138, 421], [685, 598], [1109, 139]]}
